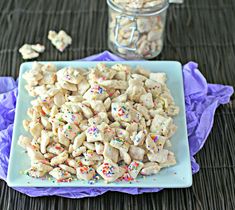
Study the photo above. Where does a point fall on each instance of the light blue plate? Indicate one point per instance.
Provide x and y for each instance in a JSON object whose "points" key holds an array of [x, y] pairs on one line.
{"points": [[177, 176]]}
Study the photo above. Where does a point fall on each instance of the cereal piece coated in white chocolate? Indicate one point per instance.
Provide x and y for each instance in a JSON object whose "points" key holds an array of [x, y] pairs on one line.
{"points": [[99, 148], [31, 51], [60, 174], [79, 139], [70, 131], [136, 153], [110, 153], [94, 133], [160, 156], [150, 168], [158, 77], [110, 171], [134, 168], [120, 144], [161, 124], [60, 40], [96, 92], [125, 156], [24, 141], [61, 158], [67, 168], [85, 172]]}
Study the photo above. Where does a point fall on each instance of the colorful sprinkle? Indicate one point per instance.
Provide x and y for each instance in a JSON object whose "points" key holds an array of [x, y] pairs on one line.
{"points": [[85, 169], [119, 140], [64, 180], [93, 130], [58, 147], [121, 111], [127, 177], [90, 153], [154, 137], [91, 182], [133, 166], [96, 89], [108, 170], [68, 77]]}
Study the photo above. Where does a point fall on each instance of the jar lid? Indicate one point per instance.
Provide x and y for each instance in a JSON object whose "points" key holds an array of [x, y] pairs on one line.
{"points": [[146, 8]]}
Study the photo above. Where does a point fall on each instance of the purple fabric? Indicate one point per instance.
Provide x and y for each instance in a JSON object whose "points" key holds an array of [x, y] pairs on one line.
{"points": [[201, 100]]}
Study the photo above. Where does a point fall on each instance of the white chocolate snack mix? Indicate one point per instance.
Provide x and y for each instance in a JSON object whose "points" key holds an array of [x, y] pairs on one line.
{"points": [[31, 51], [60, 40], [136, 36], [106, 130], [138, 4]]}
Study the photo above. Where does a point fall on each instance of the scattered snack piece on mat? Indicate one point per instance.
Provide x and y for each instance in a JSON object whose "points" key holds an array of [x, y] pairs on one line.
{"points": [[60, 40], [29, 51]]}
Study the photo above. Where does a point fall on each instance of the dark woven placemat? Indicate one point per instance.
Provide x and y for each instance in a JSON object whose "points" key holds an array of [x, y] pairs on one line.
{"points": [[201, 30]]}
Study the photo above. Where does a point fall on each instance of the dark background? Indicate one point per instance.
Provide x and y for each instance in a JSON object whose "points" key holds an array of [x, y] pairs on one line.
{"points": [[198, 30]]}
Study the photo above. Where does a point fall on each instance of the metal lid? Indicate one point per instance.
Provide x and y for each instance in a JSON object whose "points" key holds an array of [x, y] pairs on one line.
{"points": [[147, 11]]}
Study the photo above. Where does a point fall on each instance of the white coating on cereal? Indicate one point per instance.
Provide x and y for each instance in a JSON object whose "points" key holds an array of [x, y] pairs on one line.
{"points": [[118, 116]]}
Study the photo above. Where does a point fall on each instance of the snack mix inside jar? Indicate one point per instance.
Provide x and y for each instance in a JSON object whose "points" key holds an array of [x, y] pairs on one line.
{"points": [[136, 27]]}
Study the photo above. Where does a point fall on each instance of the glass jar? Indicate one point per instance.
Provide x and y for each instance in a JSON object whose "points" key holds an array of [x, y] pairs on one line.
{"points": [[136, 32]]}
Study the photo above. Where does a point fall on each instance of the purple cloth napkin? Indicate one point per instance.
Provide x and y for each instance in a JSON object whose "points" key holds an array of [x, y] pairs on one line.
{"points": [[201, 100]]}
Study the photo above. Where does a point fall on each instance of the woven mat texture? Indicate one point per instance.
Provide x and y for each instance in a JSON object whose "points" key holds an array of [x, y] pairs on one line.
{"points": [[199, 30]]}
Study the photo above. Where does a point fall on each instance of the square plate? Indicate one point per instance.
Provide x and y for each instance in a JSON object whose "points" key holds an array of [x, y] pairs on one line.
{"points": [[176, 176]]}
